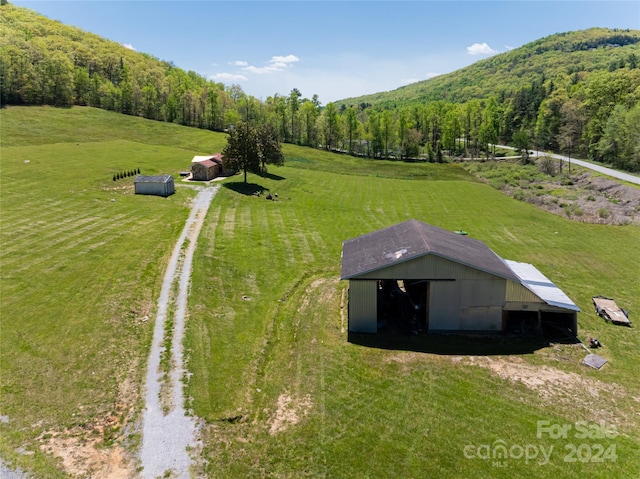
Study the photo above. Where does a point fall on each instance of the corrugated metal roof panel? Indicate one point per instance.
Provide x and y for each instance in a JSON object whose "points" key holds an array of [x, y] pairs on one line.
{"points": [[153, 179], [540, 285]]}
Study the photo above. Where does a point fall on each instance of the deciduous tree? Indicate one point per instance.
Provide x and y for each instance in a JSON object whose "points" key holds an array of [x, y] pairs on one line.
{"points": [[294, 105], [351, 124], [330, 124], [387, 124], [242, 151], [251, 149], [269, 149], [522, 143], [309, 113]]}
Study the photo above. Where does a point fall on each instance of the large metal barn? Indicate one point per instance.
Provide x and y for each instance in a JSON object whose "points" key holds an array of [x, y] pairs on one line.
{"points": [[419, 278]]}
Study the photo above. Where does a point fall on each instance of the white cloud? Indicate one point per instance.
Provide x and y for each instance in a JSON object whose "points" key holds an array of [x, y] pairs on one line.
{"points": [[286, 59], [276, 64], [509, 47], [261, 70], [480, 49], [432, 74], [129, 46], [228, 77]]}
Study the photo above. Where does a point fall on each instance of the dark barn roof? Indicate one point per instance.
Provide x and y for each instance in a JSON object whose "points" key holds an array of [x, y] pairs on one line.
{"points": [[412, 239]]}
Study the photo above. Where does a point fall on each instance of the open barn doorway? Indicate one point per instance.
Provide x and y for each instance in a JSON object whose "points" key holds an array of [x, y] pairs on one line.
{"points": [[552, 325], [558, 326], [521, 323], [403, 305]]}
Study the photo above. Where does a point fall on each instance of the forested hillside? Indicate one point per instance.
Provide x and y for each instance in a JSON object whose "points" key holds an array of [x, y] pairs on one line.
{"points": [[575, 92], [45, 62], [563, 57], [572, 92]]}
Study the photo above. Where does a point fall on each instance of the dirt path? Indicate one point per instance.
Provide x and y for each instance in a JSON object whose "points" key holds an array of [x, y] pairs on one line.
{"points": [[168, 433]]}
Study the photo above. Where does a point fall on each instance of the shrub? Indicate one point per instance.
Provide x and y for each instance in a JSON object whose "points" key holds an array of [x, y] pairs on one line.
{"points": [[572, 210], [603, 213], [547, 166], [566, 181]]}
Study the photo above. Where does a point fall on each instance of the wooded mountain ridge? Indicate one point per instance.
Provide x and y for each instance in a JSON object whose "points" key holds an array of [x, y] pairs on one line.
{"points": [[567, 57], [576, 92]]}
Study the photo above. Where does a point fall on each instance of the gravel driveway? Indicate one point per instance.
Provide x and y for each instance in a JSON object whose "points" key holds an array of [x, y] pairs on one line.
{"points": [[169, 434]]}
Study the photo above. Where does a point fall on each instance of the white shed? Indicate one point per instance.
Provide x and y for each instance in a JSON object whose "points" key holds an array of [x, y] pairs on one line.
{"points": [[161, 185]]}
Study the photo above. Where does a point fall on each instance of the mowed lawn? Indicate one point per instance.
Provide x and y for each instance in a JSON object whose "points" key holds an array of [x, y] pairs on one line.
{"points": [[281, 389], [81, 260], [286, 395]]}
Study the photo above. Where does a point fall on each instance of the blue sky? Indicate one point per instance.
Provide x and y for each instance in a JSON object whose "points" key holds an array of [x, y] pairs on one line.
{"points": [[335, 49]]}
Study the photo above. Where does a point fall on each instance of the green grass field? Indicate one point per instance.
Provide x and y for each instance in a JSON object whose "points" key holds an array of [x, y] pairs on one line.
{"points": [[282, 390], [82, 261]]}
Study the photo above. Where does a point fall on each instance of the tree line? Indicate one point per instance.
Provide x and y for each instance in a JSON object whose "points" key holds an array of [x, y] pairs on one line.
{"points": [[589, 114]]}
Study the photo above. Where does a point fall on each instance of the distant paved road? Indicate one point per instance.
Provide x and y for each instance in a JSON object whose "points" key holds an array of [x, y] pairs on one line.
{"points": [[600, 169]]}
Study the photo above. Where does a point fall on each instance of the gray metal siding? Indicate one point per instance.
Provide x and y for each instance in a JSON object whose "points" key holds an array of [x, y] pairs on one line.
{"points": [[469, 299], [363, 309], [157, 189], [481, 293], [467, 305], [443, 308], [519, 294], [480, 318], [429, 266]]}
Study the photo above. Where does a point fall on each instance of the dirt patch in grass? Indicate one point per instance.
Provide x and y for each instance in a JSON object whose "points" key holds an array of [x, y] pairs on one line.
{"points": [[84, 453], [97, 449], [596, 398], [85, 458], [289, 412]]}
